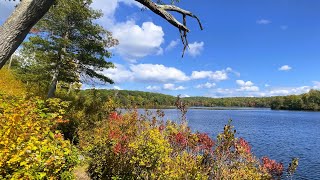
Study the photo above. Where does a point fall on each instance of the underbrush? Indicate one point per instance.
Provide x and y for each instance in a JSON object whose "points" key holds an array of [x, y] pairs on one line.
{"points": [[30, 145], [130, 146], [45, 139]]}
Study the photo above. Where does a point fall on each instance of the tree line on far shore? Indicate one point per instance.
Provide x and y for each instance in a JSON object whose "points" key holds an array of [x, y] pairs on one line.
{"points": [[309, 101]]}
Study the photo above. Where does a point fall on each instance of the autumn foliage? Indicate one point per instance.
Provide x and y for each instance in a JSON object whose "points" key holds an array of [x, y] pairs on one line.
{"points": [[133, 146], [115, 145], [9, 84], [30, 145]]}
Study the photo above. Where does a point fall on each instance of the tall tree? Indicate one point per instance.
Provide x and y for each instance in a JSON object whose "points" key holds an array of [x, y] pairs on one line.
{"points": [[28, 12], [67, 44]]}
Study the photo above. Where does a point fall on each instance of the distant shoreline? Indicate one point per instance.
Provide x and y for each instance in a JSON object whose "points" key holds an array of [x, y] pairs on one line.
{"points": [[210, 108]]}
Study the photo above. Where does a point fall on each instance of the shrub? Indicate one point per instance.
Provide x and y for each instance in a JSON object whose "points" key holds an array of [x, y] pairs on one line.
{"points": [[142, 147], [30, 145]]}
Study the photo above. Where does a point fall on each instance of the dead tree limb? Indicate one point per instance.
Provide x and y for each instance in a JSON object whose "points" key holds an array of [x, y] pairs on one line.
{"points": [[163, 11]]}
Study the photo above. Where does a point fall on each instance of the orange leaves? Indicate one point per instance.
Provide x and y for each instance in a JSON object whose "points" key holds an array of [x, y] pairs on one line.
{"points": [[205, 142], [273, 167], [115, 116], [243, 145]]}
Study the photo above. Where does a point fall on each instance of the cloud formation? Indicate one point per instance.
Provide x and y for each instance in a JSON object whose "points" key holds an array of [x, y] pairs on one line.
{"points": [[135, 41], [206, 85], [195, 49], [247, 86], [316, 84], [153, 88], [279, 91], [151, 73], [213, 75], [172, 44], [173, 87], [285, 68]]}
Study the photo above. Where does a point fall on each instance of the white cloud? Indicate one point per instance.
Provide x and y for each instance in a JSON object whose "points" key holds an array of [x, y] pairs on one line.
{"points": [[249, 88], [246, 86], [279, 91], [263, 21], [195, 48], [285, 68], [172, 44], [206, 85], [288, 91], [213, 75], [97, 86], [116, 87], [119, 74], [153, 88], [201, 74], [243, 83], [316, 84], [109, 8], [156, 73], [172, 87], [267, 85], [230, 70], [137, 42]]}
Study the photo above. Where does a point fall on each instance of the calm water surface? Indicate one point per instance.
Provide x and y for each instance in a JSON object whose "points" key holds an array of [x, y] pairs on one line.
{"points": [[280, 135]]}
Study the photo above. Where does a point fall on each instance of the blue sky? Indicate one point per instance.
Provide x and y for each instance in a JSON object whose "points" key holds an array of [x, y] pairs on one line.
{"points": [[247, 48]]}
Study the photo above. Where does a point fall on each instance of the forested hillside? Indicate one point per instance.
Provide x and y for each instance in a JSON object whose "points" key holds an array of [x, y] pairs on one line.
{"points": [[156, 100], [309, 101]]}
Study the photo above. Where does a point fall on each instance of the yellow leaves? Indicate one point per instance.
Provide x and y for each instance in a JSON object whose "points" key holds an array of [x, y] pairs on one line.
{"points": [[9, 84], [151, 150], [26, 147]]}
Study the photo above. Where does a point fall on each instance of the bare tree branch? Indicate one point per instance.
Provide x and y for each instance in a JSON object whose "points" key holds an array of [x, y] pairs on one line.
{"points": [[162, 10], [181, 11]]}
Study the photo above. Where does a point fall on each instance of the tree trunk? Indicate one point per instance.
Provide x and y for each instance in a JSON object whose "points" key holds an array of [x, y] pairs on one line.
{"points": [[53, 85], [70, 88], [10, 62], [18, 25]]}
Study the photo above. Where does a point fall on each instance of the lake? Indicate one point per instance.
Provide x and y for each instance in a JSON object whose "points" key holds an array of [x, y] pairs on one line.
{"points": [[279, 135]]}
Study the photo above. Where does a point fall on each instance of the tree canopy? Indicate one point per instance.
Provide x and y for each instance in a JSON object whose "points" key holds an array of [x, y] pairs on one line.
{"points": [[29, 12], [66, 44]]}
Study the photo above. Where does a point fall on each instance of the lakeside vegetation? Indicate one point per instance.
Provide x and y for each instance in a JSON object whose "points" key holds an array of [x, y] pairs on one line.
{"points": [[43, 139], [309, 101], [127, 98], [49, 127]]}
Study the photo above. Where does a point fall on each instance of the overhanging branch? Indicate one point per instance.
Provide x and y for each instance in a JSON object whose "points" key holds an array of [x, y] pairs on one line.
{"points": [[162, 11]]}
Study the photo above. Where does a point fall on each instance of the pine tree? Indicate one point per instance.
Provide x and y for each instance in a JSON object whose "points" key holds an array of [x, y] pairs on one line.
{"points": [[67, 46]]}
